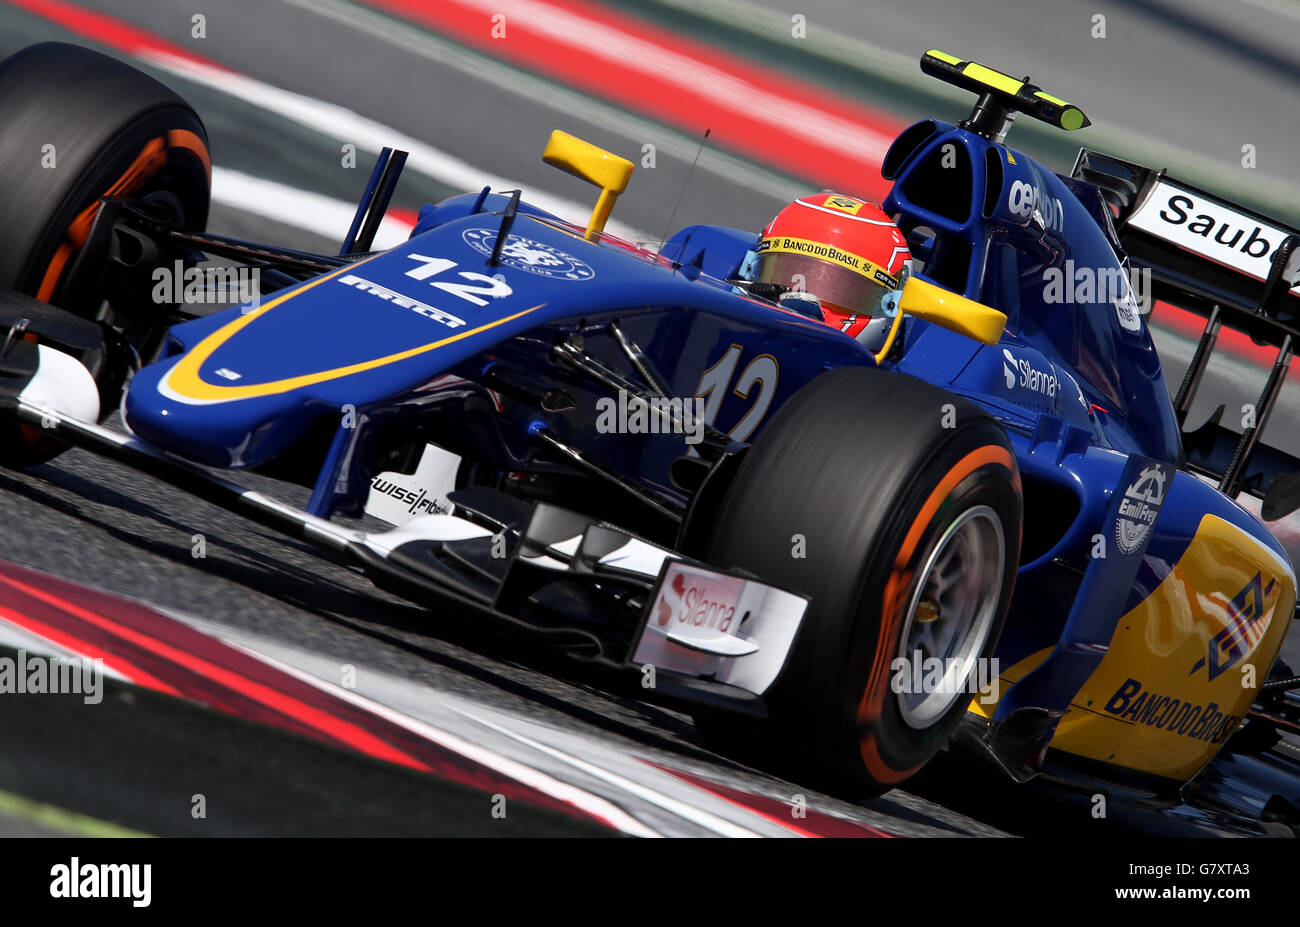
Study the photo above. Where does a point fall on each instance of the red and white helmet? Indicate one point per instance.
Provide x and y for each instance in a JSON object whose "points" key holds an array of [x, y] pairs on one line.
{"points": [[841, 249]]}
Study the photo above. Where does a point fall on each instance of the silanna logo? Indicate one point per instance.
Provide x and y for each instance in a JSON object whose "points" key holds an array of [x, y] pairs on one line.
{"points": [[535, 257], [1020, 372], [1139, 508], [691, 604]]}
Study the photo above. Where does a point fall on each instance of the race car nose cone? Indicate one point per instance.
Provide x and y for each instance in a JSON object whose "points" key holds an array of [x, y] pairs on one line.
{"points": [[240, 433]]}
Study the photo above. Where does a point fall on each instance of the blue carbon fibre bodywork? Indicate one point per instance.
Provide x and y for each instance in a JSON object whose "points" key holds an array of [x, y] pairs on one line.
{"points": [[329, 325], [1076, 384]]}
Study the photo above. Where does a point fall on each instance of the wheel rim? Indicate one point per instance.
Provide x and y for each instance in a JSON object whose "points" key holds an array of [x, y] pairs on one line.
{"points": [[950, 615]]}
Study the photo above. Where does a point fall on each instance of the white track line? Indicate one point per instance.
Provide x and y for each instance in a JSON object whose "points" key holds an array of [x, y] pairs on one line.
{"points": [[314, 212], [592, 38], [591, 805], [17, 637], [681, 809], [368, 135], [555, 97]]}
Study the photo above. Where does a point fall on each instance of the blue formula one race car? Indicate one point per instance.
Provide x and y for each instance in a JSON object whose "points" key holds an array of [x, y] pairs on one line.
{"points": [[977, 523]]}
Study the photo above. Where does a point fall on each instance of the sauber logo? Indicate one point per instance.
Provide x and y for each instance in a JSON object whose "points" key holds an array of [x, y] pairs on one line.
{"points": [[691, 604], [1243, 630], [1139, 508], [1206, 226], [1176, 212]]}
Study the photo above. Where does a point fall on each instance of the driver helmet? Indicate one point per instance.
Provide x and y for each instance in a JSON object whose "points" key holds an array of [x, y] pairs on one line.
{"points": [[844, 251]]}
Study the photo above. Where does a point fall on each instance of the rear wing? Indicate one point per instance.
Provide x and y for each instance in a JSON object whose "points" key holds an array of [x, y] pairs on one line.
{"points": [[1234, 267]]}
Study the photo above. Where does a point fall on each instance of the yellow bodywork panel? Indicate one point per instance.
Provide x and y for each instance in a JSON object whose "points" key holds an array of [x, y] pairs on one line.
{"points": [[1185, 664]]}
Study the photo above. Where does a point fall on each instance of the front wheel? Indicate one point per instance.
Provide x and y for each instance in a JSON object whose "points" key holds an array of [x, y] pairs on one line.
{"points": [[80, 126], [896, 507]]}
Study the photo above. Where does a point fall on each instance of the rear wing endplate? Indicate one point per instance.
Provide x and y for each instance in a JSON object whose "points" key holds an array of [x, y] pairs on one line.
{"points": [[1234, 267]]}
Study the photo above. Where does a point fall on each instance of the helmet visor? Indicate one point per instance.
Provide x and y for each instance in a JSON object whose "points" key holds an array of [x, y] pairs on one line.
{"points": [[847, 291]]}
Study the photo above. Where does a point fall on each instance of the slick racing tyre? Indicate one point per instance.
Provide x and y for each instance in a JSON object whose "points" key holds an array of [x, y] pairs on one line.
{"points": [[896, 507], [79, 126]]}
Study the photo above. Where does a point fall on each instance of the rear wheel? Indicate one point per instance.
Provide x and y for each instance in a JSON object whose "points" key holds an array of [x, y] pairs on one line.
{"points": [[896, 507], [79, 126]]}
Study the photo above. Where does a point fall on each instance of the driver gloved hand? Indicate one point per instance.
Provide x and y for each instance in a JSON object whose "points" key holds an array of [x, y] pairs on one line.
{"points": [[804, 303]]}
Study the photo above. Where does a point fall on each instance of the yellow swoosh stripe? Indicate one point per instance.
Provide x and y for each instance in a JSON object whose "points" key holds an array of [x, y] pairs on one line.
{"points": [[184, 378]]}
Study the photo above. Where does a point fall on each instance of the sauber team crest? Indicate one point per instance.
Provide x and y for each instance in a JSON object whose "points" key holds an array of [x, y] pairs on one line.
{"points": [[535, 257]]}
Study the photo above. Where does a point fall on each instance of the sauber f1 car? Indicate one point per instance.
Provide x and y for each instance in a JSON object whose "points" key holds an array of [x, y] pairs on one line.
{"points": [[819, 562]]}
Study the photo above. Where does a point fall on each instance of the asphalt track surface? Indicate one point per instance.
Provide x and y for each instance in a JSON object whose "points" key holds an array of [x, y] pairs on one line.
{"points": [[83, 519], [153, 754], [1205, 76]]}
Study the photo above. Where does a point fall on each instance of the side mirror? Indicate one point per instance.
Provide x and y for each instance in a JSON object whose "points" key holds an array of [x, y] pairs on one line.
{"points": [[954, 312], [594, 165]]}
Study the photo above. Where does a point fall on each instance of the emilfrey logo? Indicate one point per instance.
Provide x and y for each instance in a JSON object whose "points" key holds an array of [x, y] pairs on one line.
{"points": [[1139, 508]]}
